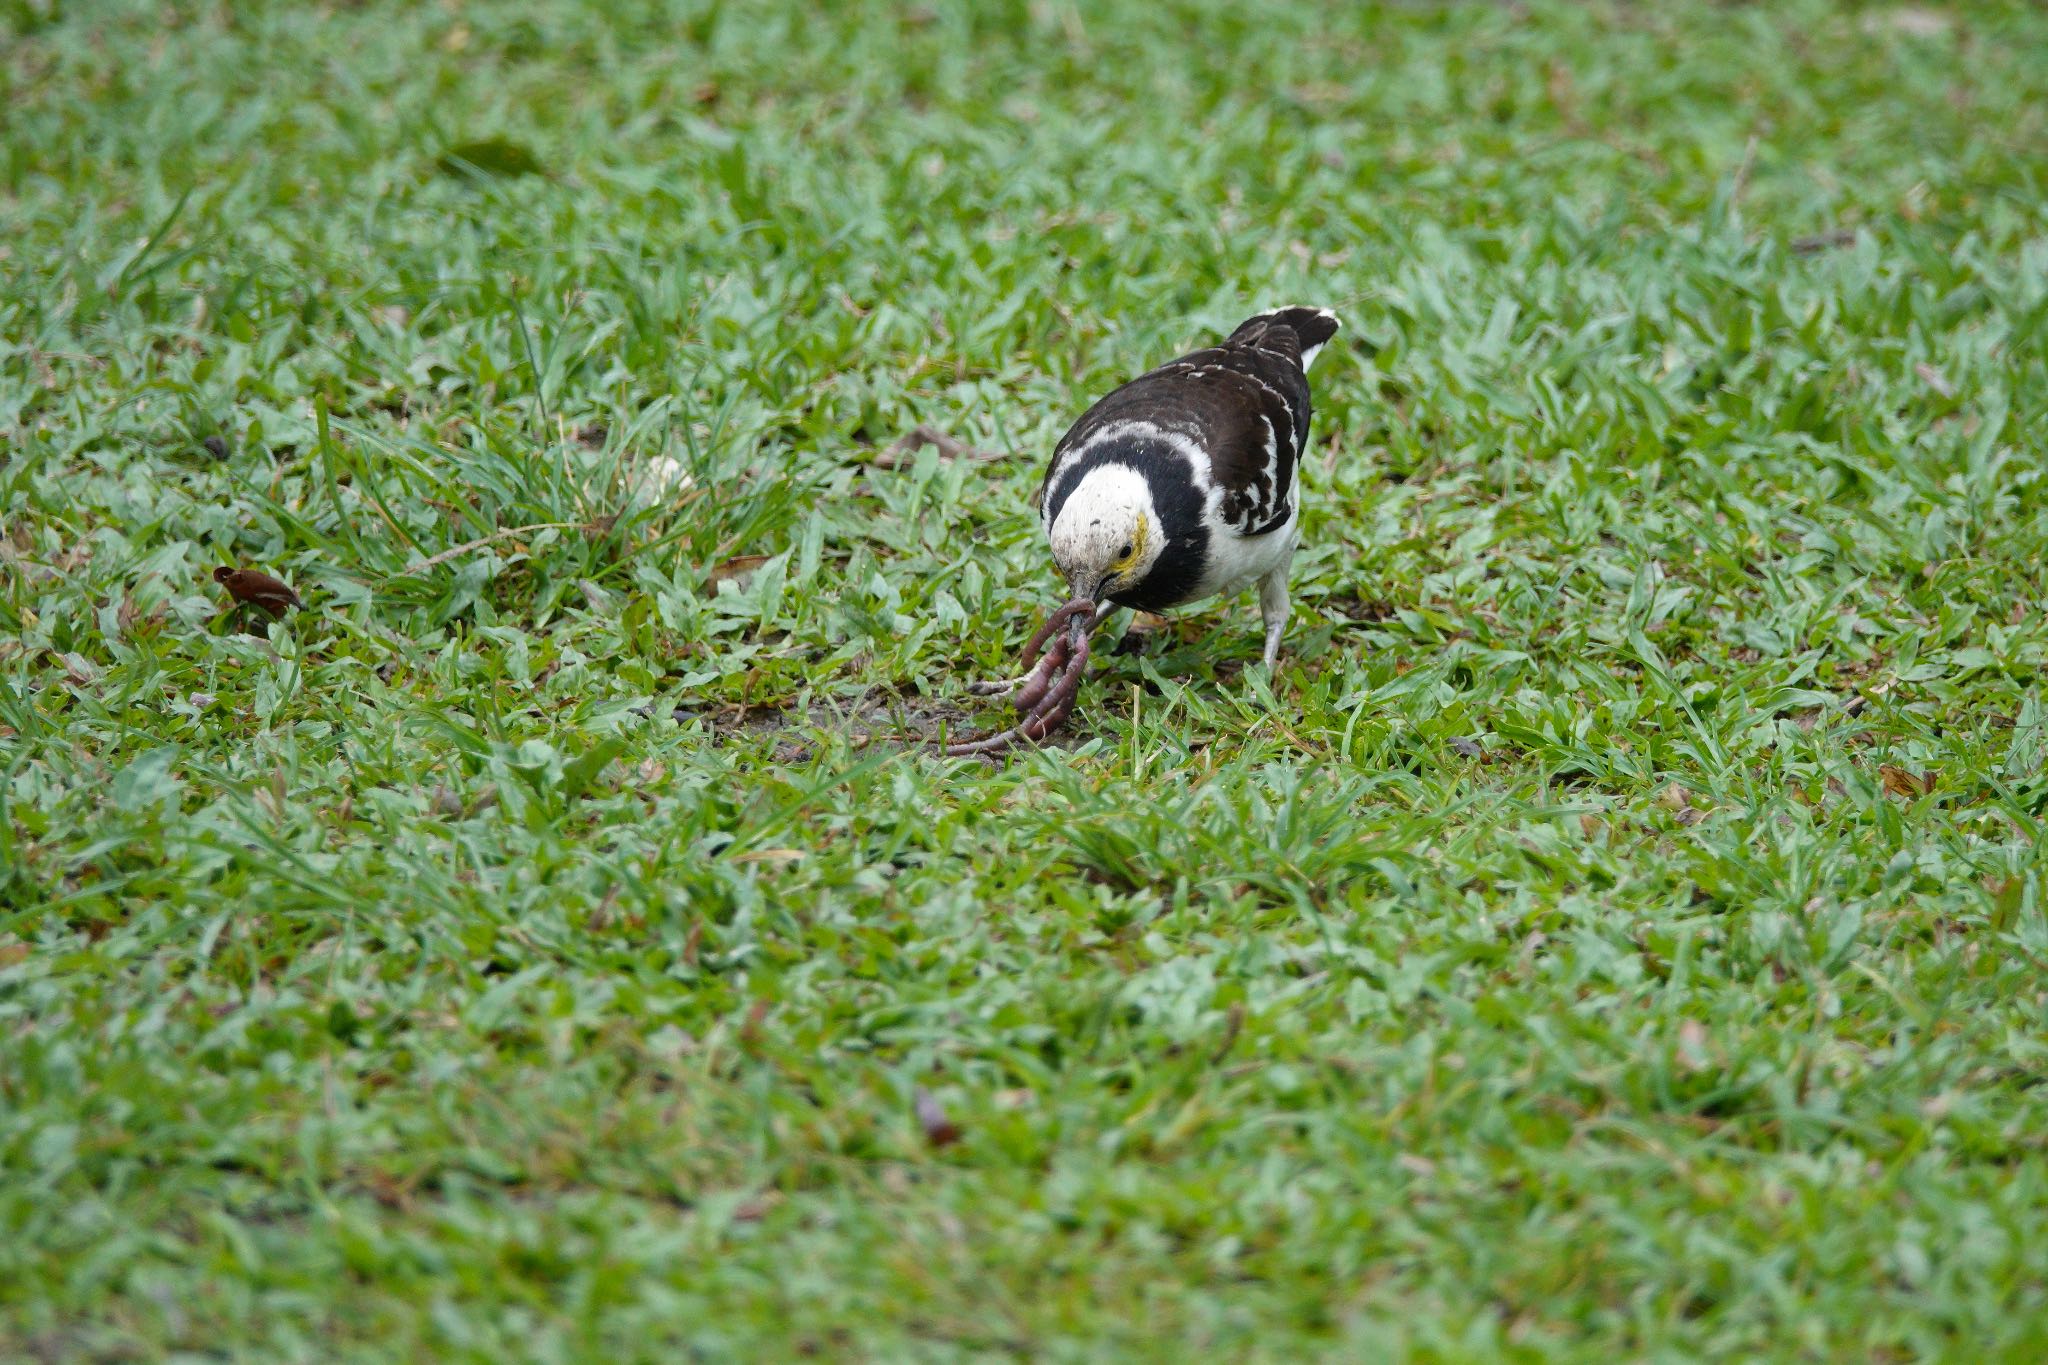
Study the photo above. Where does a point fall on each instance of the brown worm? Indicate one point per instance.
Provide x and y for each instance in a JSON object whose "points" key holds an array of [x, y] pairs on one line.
{"points": [[1052, 623], [1027, 697], [1047, 691]]}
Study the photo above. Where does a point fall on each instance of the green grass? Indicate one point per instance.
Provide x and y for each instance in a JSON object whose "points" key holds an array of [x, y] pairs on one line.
{"points": [[1617, 933]]}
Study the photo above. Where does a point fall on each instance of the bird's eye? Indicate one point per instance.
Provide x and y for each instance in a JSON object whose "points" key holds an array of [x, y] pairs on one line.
{"points": [[1124, 553]]}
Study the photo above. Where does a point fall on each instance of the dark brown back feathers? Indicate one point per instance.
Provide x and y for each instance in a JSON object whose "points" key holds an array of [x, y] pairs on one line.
{"points": [[260, 589]]}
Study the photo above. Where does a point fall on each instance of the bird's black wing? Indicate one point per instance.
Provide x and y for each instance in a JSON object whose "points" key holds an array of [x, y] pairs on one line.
{"points": [[1241, 409]]}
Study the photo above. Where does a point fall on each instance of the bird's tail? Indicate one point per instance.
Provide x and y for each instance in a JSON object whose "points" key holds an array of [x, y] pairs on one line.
{"points": [[1312, 327]]}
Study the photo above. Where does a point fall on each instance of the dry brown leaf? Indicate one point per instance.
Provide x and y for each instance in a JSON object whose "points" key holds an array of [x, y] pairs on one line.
{"points": [[11, 953], [1909, 785], [598, 527], [1934, 379], [949, 448], [755, 1208], [389, 1190], [769, 855], [1822, 241], [734, 570]]}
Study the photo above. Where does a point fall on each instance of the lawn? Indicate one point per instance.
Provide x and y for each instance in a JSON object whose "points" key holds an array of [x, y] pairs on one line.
{"points": [[1617, 931]]}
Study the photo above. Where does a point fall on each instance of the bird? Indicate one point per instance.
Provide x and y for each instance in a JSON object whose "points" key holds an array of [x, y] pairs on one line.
{"points": [[249, 586], [1184, 483]]}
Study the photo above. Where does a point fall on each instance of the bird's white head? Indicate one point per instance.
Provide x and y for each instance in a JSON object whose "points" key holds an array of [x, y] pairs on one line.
{"points": [[1108, 534]]}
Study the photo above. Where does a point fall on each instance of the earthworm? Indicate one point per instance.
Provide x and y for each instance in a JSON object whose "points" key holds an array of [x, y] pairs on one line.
{"points": [[1046, 693]]}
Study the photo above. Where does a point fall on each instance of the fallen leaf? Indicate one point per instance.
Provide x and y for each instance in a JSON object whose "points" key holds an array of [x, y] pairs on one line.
{"points": [[11, 953], [1822, 241], [735, 569], [1415, 1165], [388, 1190], [1934, 379], [769, 855], [754, 1209], [949, 448], [1900, 782], [939, 1130]]}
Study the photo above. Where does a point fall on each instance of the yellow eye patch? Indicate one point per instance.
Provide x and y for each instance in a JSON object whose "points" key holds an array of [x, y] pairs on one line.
{"points": [[1139, 536]]}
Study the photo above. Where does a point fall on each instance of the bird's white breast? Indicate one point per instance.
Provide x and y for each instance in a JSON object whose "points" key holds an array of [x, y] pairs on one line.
{"points": [[1236, 560]]}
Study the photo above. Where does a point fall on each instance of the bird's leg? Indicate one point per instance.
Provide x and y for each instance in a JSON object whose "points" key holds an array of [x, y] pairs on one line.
{"points": [[1273, 610]]}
